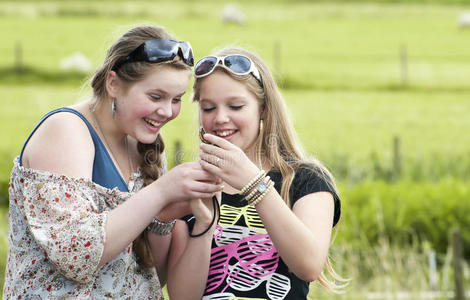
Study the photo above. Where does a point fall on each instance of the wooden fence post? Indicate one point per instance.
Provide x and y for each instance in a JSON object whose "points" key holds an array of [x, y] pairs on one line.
{"points": [[396, 172], [457, 263], [432, 270]]}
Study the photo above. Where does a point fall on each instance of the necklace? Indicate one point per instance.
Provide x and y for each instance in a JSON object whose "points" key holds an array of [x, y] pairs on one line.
{"points": [[92, 109]]}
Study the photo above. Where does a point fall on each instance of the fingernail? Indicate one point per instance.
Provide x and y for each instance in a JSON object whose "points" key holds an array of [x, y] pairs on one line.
{"points": [[222, 187]]}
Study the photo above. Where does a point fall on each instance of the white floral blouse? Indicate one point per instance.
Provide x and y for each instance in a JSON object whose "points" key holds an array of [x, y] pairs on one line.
{"points": [[57, 236]]}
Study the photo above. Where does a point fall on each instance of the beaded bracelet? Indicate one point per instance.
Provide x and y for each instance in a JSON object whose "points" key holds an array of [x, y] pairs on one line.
{"points": [[261, 196], [161, 228], [250, 185], [258, 189]]}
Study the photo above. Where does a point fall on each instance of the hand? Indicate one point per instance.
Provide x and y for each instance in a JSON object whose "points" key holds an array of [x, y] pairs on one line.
{"points": [[203, 210], [227, 161], [187, 181], [174, 210]]}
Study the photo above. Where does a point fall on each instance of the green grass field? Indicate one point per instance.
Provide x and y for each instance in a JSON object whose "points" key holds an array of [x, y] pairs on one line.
{"points": [[346, 125], [340, 68]]}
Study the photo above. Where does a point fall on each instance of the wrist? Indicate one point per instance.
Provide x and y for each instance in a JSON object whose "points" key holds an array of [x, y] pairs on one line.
{"points": [[159, 194], [254, 179], [200, 226], [161, 228]]}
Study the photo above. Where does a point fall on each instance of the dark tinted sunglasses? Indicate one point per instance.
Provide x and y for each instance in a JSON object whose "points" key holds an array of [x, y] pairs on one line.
{"points": [[235, 63], [160, 50]]}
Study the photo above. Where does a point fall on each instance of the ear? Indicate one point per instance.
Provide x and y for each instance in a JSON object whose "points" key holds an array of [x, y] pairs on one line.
{"points": [[262, 112], [112, 84]]}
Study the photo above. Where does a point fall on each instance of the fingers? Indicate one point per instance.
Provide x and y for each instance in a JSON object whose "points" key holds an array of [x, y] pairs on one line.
{"points": [[206, 187], [210, 168], [212, 159], [213, 150], [194, 171], [220, 142], [202, 189], [203, 175]]}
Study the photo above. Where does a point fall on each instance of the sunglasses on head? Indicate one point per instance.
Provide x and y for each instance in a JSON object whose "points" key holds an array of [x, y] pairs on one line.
{"points": [[155, 51], [235, 63]]}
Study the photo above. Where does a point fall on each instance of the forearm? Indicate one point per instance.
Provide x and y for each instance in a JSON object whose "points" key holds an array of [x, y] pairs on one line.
{"points": [[188, 273], [307, 257], [128, 220], [160, 245]]}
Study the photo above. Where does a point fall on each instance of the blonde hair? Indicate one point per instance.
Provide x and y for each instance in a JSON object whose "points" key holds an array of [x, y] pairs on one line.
{"points": [[277, 143], [128, 74]]}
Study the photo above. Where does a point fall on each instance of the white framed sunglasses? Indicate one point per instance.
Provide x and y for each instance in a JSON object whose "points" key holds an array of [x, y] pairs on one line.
{"points": [[236, 63]]}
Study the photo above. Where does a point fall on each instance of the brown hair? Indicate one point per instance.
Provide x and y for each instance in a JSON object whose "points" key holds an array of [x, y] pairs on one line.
{"points": [[128, 74], [277, 143]]}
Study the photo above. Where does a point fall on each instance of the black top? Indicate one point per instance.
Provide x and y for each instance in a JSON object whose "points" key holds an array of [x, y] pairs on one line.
{"points": [[244, 261]]}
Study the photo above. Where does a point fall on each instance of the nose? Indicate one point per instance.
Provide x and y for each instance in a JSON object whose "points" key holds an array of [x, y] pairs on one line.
{"points": [[165, 109], [221, 116]]}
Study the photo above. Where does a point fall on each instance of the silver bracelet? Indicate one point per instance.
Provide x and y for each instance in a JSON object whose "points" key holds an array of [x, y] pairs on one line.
{"points": [[161, 228]]}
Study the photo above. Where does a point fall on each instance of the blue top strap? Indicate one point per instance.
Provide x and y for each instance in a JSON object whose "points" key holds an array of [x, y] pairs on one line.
{"points": [[105, 172]]}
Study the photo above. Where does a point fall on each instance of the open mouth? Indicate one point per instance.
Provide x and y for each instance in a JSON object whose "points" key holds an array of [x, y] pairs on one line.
{"points": [[225, 133], [153, 123]]}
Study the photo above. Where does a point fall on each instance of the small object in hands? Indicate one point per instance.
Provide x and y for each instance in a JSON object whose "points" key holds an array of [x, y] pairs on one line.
{"points": [[161, 228], [201, 135]]}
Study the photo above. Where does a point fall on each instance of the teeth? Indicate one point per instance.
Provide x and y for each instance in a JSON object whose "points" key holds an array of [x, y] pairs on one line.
{"points": [[225, 133], [153, 123]]}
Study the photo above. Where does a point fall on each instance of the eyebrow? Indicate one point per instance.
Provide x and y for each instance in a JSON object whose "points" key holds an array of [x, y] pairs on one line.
{"points": [[231, 98], [164, 92]]}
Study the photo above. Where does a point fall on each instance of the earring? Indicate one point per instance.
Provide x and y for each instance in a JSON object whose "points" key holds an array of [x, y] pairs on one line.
{"points": [[260, 126], [113, 107], [201, 135]]}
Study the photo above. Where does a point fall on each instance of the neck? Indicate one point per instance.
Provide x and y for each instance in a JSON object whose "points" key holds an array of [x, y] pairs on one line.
{"points": [[115, 139], [106, 124]]}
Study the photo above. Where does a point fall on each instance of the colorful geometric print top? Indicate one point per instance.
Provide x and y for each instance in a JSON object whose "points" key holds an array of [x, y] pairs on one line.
{"points": [[244, 261]]}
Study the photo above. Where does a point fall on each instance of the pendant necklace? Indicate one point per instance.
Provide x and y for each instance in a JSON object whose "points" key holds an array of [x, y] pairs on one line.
{"points": [[92, 109]]}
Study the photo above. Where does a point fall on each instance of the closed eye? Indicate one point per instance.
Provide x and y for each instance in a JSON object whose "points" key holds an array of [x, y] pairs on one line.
{"points": [[207, 109], [236, 107], [155, 97]]}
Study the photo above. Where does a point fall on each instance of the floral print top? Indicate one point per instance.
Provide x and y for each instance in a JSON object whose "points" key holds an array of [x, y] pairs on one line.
{"points": [[57, 236]]}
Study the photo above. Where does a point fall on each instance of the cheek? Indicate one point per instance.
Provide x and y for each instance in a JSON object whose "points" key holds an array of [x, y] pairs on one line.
{"points": [[205, 120], [175, 110]]}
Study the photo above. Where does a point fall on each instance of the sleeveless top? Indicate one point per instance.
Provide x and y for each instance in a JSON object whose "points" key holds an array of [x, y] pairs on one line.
{"points": [[105, 172]]}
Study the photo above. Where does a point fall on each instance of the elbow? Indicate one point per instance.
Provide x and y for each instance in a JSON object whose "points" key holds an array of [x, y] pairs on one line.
{"points": [[79, 277], [309, 271], [309, 276]]}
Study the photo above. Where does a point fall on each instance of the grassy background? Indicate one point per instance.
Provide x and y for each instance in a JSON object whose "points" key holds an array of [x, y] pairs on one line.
{"points": [[340, 71]]}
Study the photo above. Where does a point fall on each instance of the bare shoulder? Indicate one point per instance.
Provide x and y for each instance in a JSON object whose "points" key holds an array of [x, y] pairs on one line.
{"points": [[62, 144]]}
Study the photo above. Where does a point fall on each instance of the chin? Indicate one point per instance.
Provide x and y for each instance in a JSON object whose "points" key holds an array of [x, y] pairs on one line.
{"points": [[147, 139]]}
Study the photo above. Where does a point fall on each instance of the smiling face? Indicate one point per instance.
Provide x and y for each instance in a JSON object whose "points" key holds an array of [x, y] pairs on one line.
{"points": [[229, 110], [146, 105]]}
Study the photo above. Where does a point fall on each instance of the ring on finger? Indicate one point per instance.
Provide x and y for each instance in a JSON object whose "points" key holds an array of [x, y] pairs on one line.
{"points": [[217, 160]]}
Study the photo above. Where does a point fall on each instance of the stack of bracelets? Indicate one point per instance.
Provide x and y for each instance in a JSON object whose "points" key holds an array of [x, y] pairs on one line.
{"points": [[257, 188]]}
